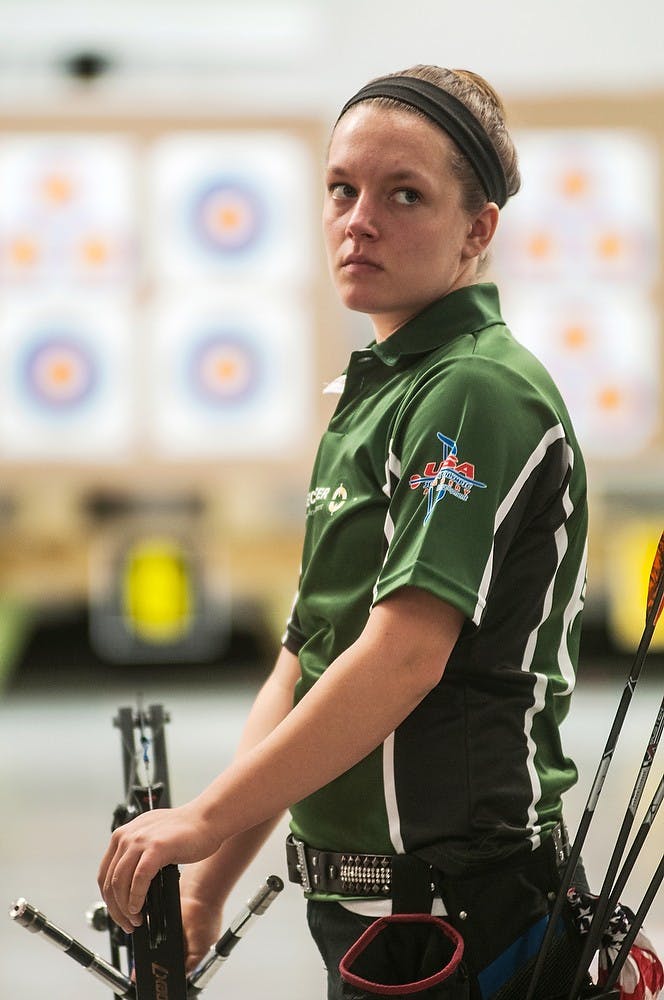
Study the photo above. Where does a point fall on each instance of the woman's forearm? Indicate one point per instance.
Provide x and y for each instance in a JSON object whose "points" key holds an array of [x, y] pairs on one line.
{"points": [[212, 879]]}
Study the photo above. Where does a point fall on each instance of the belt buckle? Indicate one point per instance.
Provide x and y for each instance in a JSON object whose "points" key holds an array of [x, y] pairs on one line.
{"points": [[302, 866]]}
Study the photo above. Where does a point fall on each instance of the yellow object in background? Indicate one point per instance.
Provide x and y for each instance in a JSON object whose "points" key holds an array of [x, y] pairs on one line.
{"points": [[630, 559], [158, 593]]}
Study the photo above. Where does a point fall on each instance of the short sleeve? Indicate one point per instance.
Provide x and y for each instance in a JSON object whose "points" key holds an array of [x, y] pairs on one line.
{"points": [[469, 453]]}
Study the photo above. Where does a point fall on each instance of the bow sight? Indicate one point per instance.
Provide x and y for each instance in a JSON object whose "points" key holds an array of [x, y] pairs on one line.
{"points": [[148, 964]]}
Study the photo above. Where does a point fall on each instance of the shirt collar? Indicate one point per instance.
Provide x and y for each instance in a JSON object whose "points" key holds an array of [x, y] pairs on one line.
{"points": [[465, 310]]}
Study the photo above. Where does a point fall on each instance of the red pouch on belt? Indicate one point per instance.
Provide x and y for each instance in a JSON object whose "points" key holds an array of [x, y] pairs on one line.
{"points": [[402, 955]]}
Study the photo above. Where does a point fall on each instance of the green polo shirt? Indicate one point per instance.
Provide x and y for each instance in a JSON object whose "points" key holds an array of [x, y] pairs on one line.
{"points": [[450, 464]]}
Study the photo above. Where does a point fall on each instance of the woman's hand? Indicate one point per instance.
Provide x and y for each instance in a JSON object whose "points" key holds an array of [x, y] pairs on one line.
{"points": [[140, 848]]}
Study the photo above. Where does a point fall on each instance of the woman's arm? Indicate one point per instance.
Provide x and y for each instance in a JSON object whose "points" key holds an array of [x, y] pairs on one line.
{"points": [[359, 700]]}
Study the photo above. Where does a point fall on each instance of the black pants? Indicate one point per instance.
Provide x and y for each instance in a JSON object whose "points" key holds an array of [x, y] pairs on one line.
{"points": [[335, 929], [501, 915]]}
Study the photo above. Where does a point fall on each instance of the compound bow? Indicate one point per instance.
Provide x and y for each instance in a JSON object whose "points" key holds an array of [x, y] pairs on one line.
{"points": [[154, 953]]}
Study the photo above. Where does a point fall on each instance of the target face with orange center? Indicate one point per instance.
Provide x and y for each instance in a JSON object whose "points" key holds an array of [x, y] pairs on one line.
{"points": [[67, 376], [237, 203], [58, 373], [228, 217], [224, 370], [230, 372]]}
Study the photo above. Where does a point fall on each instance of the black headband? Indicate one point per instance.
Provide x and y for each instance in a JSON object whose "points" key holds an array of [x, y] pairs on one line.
{"points": [[453, 117]]}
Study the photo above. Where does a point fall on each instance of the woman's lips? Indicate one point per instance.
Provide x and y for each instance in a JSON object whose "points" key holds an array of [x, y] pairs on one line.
{"points": [[358, 264]]}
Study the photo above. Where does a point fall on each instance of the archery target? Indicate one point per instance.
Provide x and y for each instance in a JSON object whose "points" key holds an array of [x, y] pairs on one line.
{"points": [[228, 216], [601, 350], [66, 370], [585, 208], [236, 203], [58, 371], [155, 595], [576, 256], [224, 369], [231, 376], [67, 208]]}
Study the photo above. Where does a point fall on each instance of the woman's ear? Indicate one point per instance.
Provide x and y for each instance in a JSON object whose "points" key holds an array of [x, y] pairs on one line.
{"points": [[482, 230]]}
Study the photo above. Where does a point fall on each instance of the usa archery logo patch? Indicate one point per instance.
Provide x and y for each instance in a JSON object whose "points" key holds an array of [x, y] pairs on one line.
{"points": [[446, 477]]}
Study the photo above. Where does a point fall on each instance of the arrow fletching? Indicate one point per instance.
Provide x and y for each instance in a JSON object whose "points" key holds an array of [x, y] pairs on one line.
{"points": [[656, 585]]}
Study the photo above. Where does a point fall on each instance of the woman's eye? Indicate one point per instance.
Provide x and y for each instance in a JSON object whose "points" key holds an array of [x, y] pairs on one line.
{"points": [[340, 191], [406, 196]]}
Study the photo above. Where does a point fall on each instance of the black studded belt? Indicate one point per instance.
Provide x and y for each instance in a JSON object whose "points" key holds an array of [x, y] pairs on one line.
{"points": [[374, 875], [342, 874]]}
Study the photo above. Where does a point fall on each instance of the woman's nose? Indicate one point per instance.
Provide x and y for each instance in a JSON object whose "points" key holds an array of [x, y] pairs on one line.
{"points": [[362, 223]]}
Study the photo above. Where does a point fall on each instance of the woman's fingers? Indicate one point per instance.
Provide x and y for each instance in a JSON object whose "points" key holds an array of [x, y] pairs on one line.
{"points": [[115, 890], [140, 848], [125, 873], [144, 871]]}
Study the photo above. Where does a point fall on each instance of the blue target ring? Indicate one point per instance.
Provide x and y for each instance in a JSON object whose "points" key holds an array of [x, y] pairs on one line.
{"points": [[224, 371], [228, 217], [58, 373]]}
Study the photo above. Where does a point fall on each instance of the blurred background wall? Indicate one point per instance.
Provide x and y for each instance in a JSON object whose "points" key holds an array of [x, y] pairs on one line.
{"points": [[167, 321]]}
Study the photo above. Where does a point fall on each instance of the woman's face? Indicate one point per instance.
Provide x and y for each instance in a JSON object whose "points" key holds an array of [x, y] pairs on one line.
{"points": [[396, 234]]}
